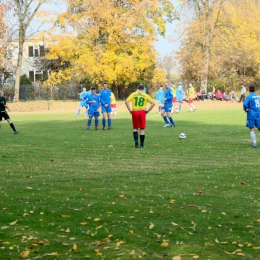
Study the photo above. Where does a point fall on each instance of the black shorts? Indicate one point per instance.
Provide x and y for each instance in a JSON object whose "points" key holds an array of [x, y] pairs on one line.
{"points": [[4, 115]]}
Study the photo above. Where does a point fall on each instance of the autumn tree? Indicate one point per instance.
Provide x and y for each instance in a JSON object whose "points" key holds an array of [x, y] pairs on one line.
{"points": [[25, 10], [114, 40]]}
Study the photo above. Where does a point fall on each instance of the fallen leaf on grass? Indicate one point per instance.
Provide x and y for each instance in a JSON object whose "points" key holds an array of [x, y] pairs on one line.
{"points": [[228, 253], [25, 253], [176, 257], [164, 243], [243, 183], [151, 226], [13, 223]]}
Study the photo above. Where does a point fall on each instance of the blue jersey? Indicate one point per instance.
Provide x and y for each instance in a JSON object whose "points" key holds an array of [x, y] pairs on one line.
{"points": [[179, 95], [168, 96], [160, 96], [89, 100], [83, 95], [105, 96], [252, 103]]}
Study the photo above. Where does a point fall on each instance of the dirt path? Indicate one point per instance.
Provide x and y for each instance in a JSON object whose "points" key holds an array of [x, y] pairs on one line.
{"points": [[71, 106]]}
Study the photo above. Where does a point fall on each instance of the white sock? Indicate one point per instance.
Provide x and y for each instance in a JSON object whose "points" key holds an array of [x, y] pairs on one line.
{"points": [[253, 137]]}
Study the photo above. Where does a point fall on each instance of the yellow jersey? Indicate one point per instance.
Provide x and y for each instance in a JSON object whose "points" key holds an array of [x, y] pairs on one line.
{"points": [[191, 93], [139, 100], [173, 87], [112, 98]]}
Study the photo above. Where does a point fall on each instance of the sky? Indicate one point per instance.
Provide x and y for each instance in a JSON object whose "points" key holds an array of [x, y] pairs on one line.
{"points": [[165, 45]]}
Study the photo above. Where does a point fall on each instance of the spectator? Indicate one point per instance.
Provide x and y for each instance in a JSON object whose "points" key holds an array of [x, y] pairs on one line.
{"points": [[232, 95], [219, 95], [225, 96], [243, 93]]}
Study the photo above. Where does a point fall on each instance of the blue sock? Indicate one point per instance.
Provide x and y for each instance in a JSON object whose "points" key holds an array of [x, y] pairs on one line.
{"points": [[170, 118], [109, 122], [96, 122], [78, 112], [89, 122], [165, 120], [103, 122]]}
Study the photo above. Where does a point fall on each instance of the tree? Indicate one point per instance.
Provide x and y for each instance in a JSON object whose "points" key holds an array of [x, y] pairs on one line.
{"points": [[25, 11], [114, 40]]}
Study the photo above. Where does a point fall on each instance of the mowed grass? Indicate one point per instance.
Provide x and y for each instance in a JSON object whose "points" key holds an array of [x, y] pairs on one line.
{"points": [[71, 194]]}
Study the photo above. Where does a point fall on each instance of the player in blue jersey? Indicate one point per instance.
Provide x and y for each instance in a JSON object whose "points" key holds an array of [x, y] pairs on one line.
{"points": [[179, 97], [160, 97], [167, 106], [105, 100], [93, 100], [82, 102], [252, 108]]}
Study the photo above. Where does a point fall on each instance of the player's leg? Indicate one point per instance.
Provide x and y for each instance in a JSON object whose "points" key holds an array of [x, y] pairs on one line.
{"points": [[135, 127], [163, 111], [253, 137], [104, 112], [177, 107], [142, 137], [7, 118], [142, 126], [170, 118], [78, 111], [109, 120], [97, 114], [86, 112], [89, 122]]}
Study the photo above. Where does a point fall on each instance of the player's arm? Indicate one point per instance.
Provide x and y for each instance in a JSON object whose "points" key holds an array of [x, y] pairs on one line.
{"points": [[7, 107], [127, 103], [151, 107], [246, 104]]}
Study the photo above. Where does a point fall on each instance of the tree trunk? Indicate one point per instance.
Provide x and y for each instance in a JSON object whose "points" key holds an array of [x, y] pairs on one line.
{"points": [[19, 64], [206, 49]]}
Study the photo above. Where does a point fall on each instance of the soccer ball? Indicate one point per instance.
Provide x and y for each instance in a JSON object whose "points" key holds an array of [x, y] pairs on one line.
{"points": [[182, 136]]}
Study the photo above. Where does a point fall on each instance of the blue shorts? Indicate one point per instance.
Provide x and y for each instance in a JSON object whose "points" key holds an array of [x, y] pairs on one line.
{"points": [[167, 108], [251, 123], [92, 113], [106, 109], [82, 103]]}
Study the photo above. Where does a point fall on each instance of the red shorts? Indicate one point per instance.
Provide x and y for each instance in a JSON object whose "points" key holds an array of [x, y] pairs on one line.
{"points": [[174, 100], [190, 100], [139, 119], [113, 105]]}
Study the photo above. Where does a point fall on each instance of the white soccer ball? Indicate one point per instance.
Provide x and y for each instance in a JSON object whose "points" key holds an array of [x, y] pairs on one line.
{"points": [[182, 136]]}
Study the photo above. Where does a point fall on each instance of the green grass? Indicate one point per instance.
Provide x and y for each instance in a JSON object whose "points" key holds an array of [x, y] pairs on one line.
{"points": [[70, 194]]}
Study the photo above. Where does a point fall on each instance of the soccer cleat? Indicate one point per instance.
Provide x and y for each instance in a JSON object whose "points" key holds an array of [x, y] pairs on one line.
{"points": [[194, 110], [104, 128], [17, 132], [173, 125], [109, 128], [254, 146], [166, 125], [96, 128], [136, 145], [142, 146], [88, 129]]}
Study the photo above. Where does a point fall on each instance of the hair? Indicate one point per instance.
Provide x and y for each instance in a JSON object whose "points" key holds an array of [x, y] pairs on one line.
{"points": [[93, 88], [251, 88], [141, 86], [104, 83]]}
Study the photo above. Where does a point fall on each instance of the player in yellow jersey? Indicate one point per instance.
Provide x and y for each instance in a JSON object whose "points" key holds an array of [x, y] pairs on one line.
{"points": [[191, 96], [174, 99], [138, 101], [113, 104]]}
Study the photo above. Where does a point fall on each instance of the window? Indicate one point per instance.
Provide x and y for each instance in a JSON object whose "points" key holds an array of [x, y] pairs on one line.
{"points": [[38, 75], [36, 51]]}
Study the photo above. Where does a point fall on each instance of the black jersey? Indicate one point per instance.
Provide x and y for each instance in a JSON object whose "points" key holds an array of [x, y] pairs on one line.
{"points": [[2, 104]]}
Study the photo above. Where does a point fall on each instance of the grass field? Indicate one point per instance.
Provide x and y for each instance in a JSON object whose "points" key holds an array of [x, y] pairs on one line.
{"points": [[71, 194]]}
